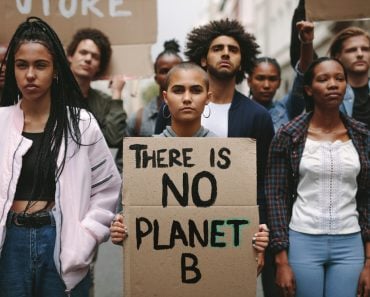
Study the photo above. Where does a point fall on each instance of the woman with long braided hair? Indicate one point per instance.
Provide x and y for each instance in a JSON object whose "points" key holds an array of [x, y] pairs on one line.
{"points": [[59, 183]]}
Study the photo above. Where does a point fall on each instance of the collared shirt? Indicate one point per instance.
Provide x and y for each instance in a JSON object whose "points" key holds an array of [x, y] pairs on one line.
{"points": [[282, 176]]}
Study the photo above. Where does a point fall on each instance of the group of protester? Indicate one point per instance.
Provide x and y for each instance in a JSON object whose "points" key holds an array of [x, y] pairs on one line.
{"points": [[60, 186]]}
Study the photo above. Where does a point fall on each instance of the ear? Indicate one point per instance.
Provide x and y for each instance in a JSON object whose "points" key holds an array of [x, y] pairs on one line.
{"points": [[209, 97], [164, 93], [155, 78], [203, 62], [69, 58], [308, 90]]}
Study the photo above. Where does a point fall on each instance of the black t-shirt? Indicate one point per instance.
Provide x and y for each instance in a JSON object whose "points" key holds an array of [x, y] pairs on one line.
{"points": [[26, 179], [361, 106]]}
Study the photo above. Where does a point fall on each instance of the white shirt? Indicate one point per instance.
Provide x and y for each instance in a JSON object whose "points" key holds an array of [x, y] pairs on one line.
{"points": [[326, 200], [218, 121]]}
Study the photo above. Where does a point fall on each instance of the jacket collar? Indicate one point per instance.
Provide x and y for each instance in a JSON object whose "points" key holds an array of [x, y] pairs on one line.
{"points": [[297, 129]]}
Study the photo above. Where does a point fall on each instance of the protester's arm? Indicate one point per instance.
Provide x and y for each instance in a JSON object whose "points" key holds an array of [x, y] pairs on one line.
{"points": [[306, 36], [295, 44], [295, 103], [285, 279], [278, 201], [114, 123], [266, 131]]}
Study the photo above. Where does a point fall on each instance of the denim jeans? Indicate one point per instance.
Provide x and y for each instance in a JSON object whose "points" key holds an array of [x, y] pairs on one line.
{"points": [[326, 265], [27, 266]]}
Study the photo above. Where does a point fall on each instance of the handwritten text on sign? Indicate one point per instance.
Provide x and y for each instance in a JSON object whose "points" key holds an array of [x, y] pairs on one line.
{"points": [[69, 8], [209, 232], [190, 206]]}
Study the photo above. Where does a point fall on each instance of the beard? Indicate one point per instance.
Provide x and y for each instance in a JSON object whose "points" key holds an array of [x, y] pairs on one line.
{"points": [[223, 74]]}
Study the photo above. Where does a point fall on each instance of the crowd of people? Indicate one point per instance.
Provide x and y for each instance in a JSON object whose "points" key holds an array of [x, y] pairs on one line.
{"points": [[60, 185]]}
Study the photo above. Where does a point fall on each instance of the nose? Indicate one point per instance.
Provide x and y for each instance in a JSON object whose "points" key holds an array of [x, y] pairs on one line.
{"points": [[359, 52], [266, 84], [332, 83], [186, 99], [88, 57], [30, 73], [225, 52]]}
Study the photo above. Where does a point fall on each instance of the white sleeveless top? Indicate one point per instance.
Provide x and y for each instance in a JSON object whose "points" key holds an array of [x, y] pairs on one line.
{"points": [[327, 189]]}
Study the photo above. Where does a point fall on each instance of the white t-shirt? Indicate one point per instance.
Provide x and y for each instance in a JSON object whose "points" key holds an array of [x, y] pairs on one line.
{"points": [[218, 121]]}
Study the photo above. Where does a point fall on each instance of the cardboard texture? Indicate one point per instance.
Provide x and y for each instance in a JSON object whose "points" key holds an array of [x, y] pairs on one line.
{"points": [[131, 26], [134, 61], [190, 251], [236, 185], [318, 10], [124, 21]]}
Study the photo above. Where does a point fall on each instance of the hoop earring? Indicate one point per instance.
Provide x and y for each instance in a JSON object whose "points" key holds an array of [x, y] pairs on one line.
{"points": [[56, 78], [163, 112], [209, 111]]}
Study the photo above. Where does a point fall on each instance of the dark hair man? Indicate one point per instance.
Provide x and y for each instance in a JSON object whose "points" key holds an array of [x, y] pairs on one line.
{"points": [[89, 54], [227, 53]]}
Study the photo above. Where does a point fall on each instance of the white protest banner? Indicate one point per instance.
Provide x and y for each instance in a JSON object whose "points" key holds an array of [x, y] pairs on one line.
{"points": [[190, 208]]}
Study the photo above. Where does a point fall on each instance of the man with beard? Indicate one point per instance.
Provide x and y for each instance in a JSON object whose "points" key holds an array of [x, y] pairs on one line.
{"points": [[227, 53], [351, 47]]}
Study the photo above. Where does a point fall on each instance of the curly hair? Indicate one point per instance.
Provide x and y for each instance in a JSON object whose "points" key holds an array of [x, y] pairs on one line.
{"points": [[200, 39], [101, 41]]}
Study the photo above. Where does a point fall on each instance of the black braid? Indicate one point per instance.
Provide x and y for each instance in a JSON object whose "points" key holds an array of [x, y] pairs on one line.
{"points": [[66, 97]]}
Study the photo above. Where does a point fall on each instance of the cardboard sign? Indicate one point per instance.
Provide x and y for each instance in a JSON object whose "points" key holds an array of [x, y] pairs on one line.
{"points": [[318, 10], [190, 208], [123, 21], [131, 26]]}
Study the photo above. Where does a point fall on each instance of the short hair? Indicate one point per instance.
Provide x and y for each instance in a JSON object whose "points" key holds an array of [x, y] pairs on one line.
{"points": [[338, 40], [309, 75], [101, 41], [186, 66], [200, 39], [171, 47], [267, 60]]}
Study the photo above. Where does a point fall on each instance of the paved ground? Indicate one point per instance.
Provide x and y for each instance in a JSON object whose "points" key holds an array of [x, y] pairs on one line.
{"points": [[108, 272]]}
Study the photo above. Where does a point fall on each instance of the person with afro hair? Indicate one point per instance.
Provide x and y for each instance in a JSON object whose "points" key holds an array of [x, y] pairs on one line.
{"points": [[227, 52]]}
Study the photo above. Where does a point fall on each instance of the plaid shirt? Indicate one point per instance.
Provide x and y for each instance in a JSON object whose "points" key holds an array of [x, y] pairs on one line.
{"points": [[282, 176]]}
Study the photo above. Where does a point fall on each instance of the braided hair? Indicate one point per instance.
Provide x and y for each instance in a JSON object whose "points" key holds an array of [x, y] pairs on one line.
{"points": [[66, 97], [200, 39]]}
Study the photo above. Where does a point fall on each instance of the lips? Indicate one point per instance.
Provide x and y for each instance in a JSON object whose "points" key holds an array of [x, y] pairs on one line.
{"points": [[30, 87], [224, 64], [187, 109], [334, 95]]}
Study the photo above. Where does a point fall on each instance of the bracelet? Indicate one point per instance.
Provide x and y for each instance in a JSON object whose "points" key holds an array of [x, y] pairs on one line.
{"points": [[303, 42]]}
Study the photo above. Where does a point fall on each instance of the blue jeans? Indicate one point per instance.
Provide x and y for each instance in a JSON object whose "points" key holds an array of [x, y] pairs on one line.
{"points": [[326, 265], [27, 266]]}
